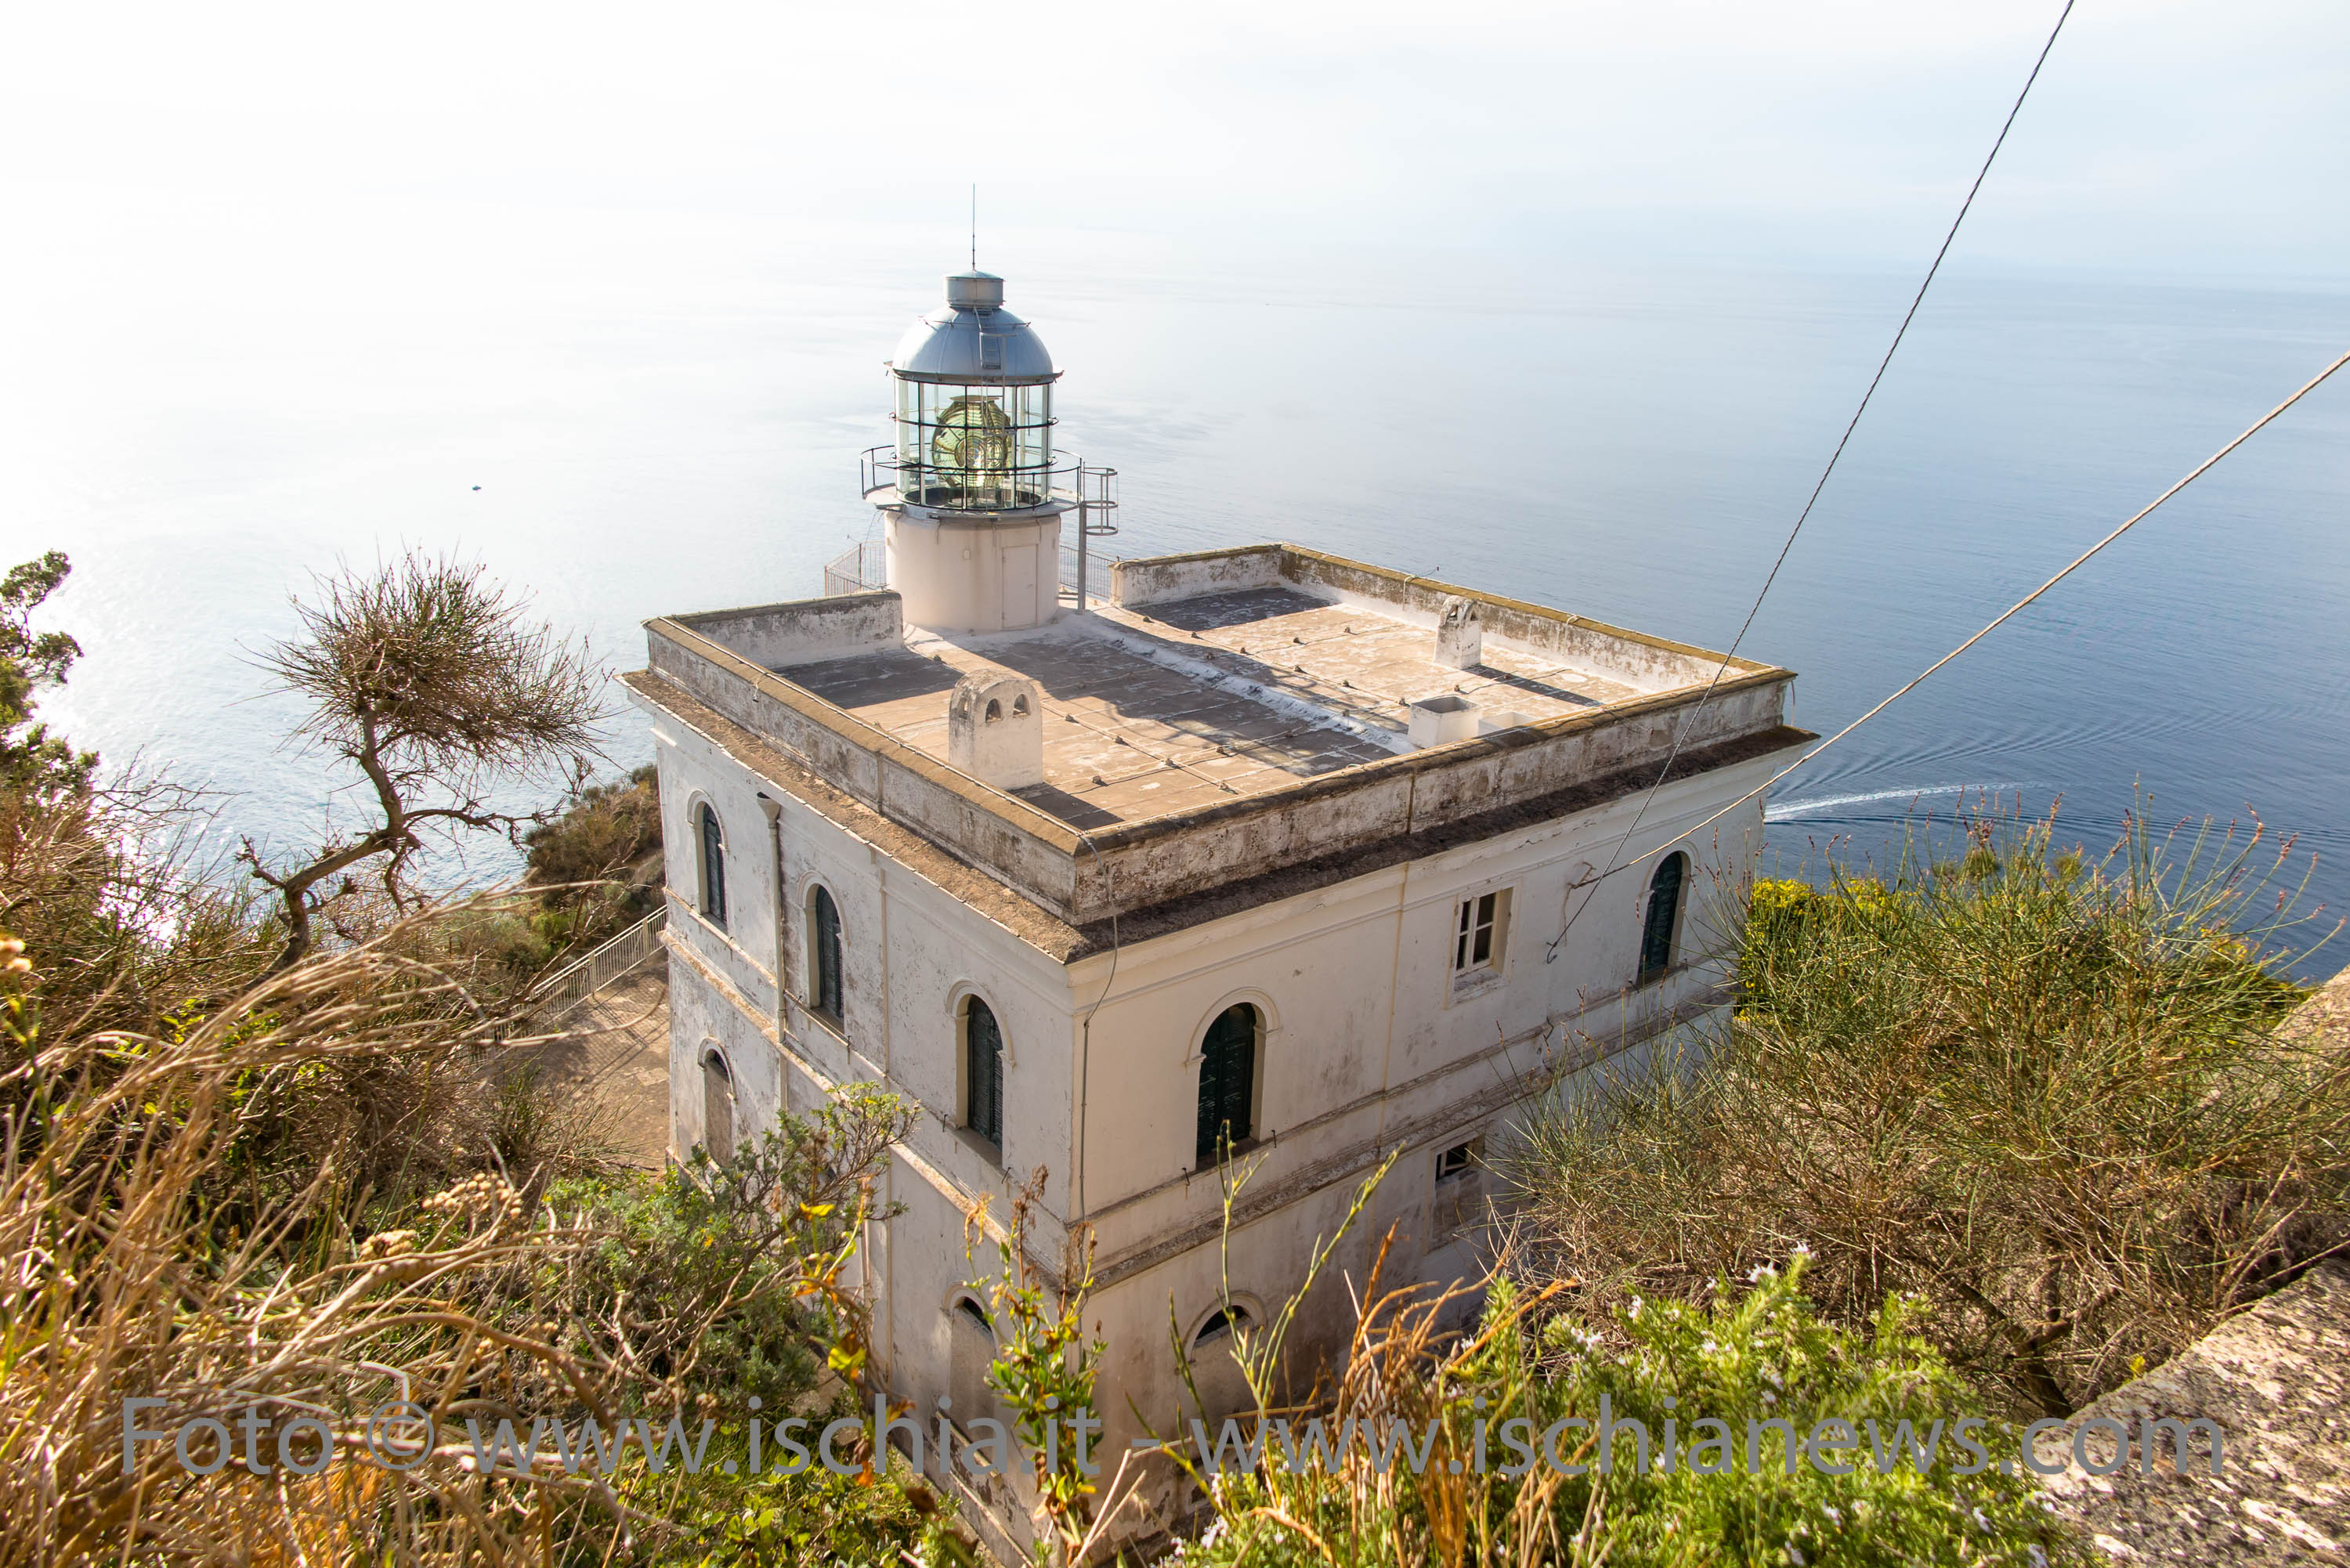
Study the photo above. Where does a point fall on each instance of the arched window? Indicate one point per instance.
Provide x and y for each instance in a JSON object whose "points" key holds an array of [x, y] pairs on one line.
{"points": [[982, 1075], [1664, 915], [824, 955], [970, 1351], [1216, 1374], [717, 1107], [1220, 1325], [1227, 1083], [713, 865]]}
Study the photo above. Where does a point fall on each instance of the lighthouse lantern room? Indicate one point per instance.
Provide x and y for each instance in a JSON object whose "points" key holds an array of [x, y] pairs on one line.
{"points": [[972, 494]]}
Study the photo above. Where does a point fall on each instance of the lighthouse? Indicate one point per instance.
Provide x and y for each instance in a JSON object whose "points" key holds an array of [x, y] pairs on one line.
{"points": [[1256, 859], [973, 493]]}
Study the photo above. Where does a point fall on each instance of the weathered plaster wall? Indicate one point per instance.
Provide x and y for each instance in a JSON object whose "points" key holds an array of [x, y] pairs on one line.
{"points": [[996, 832], [1368, 1034], [1644, 662], [732, 1003], [1161, 577], [1148, 863], [804, 630]]}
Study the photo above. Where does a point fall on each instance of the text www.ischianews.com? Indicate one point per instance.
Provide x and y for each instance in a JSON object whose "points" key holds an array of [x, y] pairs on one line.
{"points": [[403, 1435]]}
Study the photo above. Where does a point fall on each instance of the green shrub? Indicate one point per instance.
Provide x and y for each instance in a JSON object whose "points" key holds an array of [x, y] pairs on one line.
{"points": [[601, 856], [2047, 1096], [1758, 1355]]}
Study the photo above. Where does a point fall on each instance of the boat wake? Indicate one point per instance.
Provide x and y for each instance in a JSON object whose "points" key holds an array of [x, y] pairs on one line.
{"points": [[1787, 810]]}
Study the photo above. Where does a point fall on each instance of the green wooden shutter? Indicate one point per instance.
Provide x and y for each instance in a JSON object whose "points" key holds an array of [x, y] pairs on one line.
{"points": [[1227, 1082], [828, 956], [983, 1073], [1664, 908]]}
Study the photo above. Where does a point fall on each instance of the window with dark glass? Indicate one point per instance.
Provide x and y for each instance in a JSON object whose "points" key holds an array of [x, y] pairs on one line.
{"points": [[1227, 1083], [1663, 913], [1474, 943], [1459, 1203], [714, 867], [982, 1044], [824, 958], [1220, 1325]]}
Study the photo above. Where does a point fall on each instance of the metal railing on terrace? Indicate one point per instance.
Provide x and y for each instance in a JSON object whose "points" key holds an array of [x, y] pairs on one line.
{"points": [[1097, 570], [861, 568]]}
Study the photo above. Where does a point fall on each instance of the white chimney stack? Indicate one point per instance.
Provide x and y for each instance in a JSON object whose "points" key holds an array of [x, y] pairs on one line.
{"points": [[996, 729], [1460, 634]]}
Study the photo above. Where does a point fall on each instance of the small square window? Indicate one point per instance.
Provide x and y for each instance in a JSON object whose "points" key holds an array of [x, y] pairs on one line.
{"points": [[1480, 933], [1460, 1159], [1459, 1203]]}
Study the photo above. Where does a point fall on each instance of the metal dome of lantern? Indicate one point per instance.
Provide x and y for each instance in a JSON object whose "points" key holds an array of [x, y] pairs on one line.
{"points": [[971, 491], [974, 405]]}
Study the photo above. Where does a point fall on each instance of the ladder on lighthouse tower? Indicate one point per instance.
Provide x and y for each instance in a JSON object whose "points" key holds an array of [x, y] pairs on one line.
{"points": [[1096, 497]]}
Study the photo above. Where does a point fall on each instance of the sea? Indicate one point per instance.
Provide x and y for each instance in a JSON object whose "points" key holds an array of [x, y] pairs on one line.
{"points": [[625, 415]]}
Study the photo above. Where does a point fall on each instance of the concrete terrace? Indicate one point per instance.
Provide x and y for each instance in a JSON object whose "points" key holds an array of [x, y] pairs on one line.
{"points": [[1239, 708], [1223, 695]]}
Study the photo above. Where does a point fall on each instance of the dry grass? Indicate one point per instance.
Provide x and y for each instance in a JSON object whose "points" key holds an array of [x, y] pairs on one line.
{"points": [[153, 1253]]}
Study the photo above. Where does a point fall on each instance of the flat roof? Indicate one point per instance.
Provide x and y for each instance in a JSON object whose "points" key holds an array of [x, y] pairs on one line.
{"points": [[1221, 716], [1188, 702]]}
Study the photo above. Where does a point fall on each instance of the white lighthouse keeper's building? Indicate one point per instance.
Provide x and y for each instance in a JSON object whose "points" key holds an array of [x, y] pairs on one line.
{"points": [[1266, 851]]}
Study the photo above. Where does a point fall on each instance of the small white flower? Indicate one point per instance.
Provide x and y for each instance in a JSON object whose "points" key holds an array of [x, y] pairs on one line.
{"points": [[1980, 1523], [1770, 1399], [2039, 1558], [1833, 1516], [1794, 1554], [1803, 1249], [1709, 1349]]}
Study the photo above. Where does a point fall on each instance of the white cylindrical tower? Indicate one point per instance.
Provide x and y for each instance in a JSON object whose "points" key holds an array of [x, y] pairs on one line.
{"points": [[971, 495]]}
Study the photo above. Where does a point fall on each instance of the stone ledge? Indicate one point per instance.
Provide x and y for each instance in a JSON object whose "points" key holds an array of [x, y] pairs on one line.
{"points": [[2275, 1380]]}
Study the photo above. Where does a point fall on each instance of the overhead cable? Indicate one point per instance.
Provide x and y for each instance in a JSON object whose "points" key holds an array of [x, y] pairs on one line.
{"points": [[1682, 727], [2193, 475]]}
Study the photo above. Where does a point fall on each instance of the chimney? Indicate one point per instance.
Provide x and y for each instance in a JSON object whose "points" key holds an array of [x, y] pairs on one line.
{"points": [[996, 729], [1460, 634], [1442, 720]]}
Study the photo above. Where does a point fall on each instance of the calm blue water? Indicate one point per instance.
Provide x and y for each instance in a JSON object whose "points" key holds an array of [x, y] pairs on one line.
{"points": [[667, 418]]}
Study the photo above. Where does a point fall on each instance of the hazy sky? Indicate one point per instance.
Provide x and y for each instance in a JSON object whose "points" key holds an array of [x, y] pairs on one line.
{"points": [[2165, 138]]}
